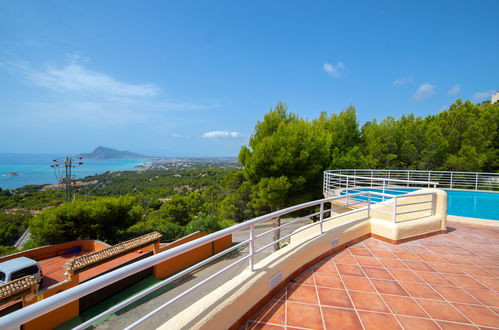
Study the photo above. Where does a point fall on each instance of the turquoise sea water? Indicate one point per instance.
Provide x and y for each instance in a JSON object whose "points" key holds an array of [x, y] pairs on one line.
{"points": [[473, 204], [35, 168]]}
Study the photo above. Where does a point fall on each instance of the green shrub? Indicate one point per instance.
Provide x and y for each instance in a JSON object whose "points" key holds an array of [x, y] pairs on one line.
{"points": [[204, 222]]}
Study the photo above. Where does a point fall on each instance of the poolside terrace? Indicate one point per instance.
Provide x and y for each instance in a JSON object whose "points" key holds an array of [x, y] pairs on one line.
{"points": [[355, 262], [448, 281]]}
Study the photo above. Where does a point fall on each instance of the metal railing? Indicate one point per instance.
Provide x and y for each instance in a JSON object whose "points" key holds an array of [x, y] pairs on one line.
{"points": [[444, 179], [362, 202], [393, 205], [337, 184]]}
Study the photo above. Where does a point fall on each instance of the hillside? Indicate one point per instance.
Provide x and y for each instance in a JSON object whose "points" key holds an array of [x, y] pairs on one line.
{"points": [[105, 152]]}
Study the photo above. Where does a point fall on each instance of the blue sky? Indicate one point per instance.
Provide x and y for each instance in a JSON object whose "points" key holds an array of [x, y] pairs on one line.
{"points": [[192, 78]]}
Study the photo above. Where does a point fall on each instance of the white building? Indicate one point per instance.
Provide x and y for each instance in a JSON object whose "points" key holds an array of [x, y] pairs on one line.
{"points": [[495, 97]]}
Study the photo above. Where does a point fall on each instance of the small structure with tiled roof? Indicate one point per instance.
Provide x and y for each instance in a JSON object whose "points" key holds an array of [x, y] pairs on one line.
{"points": [[80, 264]]}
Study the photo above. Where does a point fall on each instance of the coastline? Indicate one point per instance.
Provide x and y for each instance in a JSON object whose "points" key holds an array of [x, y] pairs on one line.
{"points": [[36, 170]]}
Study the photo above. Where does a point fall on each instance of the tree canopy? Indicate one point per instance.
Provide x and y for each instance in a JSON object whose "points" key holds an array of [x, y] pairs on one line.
{"points": [[283, 165]]}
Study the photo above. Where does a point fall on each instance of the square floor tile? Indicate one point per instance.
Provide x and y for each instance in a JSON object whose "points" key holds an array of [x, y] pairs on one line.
{"points": [[406, 255], [384, 254], [446, 268], [441, 310], [486, 297], [456, 260], [368, 301], [329, 281], [302, 293], [414, 323], [379, 273], [345, 259], [465, 281], [350, 270], [475, 270], [405, 275], [368, 261], [454, 294], [455, 326], [358, 283], [360, 251], [490, 282], [393, 263], [430, 257], [404, 306], [421, 290], [389, 287], [419, 266], [480, 315], [304, 316], [334, 297], [342, 319], [435, 278], [326, 268], [377, 321], [480, 261]]}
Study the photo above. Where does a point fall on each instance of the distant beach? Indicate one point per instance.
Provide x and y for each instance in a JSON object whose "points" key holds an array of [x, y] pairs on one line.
{"points": [[35, 168]]}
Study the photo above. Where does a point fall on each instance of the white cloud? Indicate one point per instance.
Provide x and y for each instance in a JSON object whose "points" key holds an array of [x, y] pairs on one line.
{"points": [[82, 95], [222, 135], [481, 96], [454, 90], [424, 91], [334, 71], [403, 81], [76, 78], [175, 135]]}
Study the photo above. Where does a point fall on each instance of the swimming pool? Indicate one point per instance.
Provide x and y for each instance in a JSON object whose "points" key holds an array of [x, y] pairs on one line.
{"points": [[473, 204]]}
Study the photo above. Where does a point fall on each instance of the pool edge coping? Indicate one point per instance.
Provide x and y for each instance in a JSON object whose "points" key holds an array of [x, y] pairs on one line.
{"points": [[474, 221]]}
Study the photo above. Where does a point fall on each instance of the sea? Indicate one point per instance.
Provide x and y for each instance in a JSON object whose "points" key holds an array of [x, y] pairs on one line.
{"points": [[35, 168]]}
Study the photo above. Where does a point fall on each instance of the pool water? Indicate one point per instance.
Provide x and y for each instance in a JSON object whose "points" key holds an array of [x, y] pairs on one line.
{"points": [[473, 204]]}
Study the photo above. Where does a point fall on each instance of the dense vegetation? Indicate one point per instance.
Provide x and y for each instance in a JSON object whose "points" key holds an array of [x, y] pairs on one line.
{"points": [[283, 165]]}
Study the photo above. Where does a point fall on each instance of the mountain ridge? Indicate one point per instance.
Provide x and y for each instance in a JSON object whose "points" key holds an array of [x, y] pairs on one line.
{"points": [[102, 152]]}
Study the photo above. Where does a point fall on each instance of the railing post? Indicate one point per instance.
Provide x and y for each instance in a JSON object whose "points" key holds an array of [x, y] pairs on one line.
{"points": [[383, 197], [450, 180], [324, 180], [372, 175], [368, 205], [429, 178], [408, 177], [251, 246], [476, 182], [347, 186], [395, 209], [321, 217], [433, 204]]}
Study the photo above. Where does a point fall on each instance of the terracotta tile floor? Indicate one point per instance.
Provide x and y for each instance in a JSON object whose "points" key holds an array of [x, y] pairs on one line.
{"points": [[447, 281]]}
